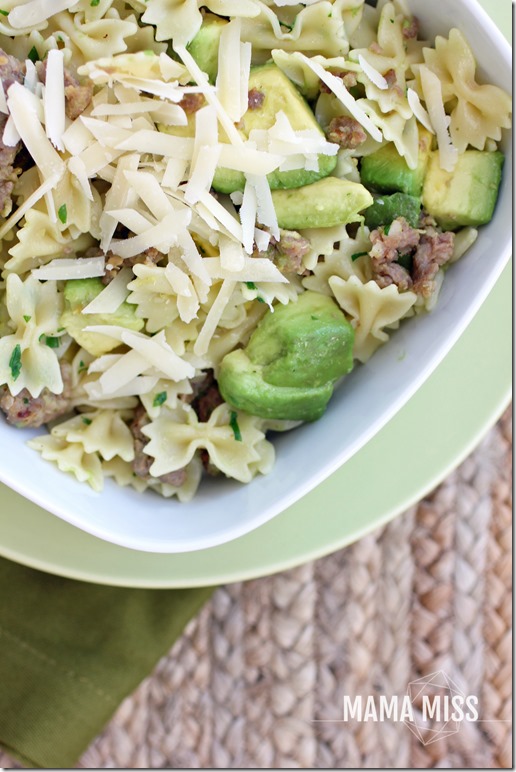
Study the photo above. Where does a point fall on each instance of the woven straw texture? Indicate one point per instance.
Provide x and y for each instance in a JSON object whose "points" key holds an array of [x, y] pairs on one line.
{"points": [[429, 592]]}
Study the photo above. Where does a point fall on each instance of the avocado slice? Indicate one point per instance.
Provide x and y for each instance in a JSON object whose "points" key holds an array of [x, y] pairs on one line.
{"points": [[468, 194], [77, 294], [279, 94], [205, 45], [292, 361], [322, 204], [387, 208], [386, 171]]}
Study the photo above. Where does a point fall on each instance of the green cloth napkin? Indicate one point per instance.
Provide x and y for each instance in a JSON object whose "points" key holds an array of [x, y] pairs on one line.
{"points": [[69, 654]]}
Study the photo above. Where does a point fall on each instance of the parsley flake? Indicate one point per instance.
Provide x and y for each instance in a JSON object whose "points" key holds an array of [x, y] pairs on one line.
{"points": [[15, 363], [4, 13], [94, 3], [160, 399], [33, 55], [250, 285], [27, 317], [356, 255], [62, 213], [87, 421], [233, 422]]}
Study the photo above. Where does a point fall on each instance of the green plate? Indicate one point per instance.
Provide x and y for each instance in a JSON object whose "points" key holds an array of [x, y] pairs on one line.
{"points": [[421, 445]]}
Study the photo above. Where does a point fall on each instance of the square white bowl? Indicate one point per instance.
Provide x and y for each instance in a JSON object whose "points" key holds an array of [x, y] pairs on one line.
{"points": [[367, 399]]}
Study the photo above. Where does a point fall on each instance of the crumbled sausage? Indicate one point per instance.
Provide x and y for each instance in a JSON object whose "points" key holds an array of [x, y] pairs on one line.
{"points": [[25, 411], [346, 132], [256, 99], [206, 397], [142, 462], [115, 263], [291, 249], [389, 273], [348, 77], [428, 247], [388, 244], [77, 95], [192, 102], [410, 28], [11, 71], [390, 77], [434, 250], [288, 252]]}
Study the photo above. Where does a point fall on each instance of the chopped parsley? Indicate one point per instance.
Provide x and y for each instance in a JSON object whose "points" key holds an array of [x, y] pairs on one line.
{"points": [[27, 317], [356, 255], [160, 399], [387, 229], [82, 366], [15, 363], [33, 55], [87, 421], [4, 13], [94, 3], [250, 285], [62, 213], [49, 340], [233, 422]]}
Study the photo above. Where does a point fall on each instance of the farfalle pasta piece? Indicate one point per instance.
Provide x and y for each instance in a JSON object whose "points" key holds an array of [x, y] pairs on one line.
{"points": [[371, 309], [103, 432], [72, 458], [477, 112], [162, 295], [388, 57], [187, 490], [317, 29], [97, 38], [295, 68], [176, 20], [26, 358], [165, 393], [349, 259], [234, 442]]}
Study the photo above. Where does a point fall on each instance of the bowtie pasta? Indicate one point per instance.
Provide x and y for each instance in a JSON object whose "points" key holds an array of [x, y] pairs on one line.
{"points": [[211, 211]]}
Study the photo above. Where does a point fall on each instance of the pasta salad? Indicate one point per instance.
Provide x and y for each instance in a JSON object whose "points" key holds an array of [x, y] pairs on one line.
{"points": [[210, 212]]}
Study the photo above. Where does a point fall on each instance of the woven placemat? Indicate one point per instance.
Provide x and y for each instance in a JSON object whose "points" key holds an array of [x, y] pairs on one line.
{"points": [[430, 592]]}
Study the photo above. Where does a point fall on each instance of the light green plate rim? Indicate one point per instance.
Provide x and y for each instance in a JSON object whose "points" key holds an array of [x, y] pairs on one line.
{"points": [[422, 444], [436, 430]]}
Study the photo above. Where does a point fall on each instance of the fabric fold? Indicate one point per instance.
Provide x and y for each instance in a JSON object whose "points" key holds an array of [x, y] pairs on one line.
{"points": [[70, 652]]}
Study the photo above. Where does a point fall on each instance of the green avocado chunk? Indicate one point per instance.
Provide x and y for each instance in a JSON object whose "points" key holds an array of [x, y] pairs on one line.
{"points": [[386, 171], [322, 204], [279, 93], [292, 361], [77, 295], [468, 194], [205, 45], [387, 208]]}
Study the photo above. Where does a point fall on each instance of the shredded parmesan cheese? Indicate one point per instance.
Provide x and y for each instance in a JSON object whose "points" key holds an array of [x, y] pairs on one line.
{"points": [[418, 110], [373, 75], [431, 85], [338, 88], [20, 104], [112, 297], [202, 81], [63, 269], [214, 315], [54, 99]]}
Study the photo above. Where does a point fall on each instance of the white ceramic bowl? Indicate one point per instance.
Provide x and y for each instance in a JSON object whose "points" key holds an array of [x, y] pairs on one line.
{"points": [[368, 398]]}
